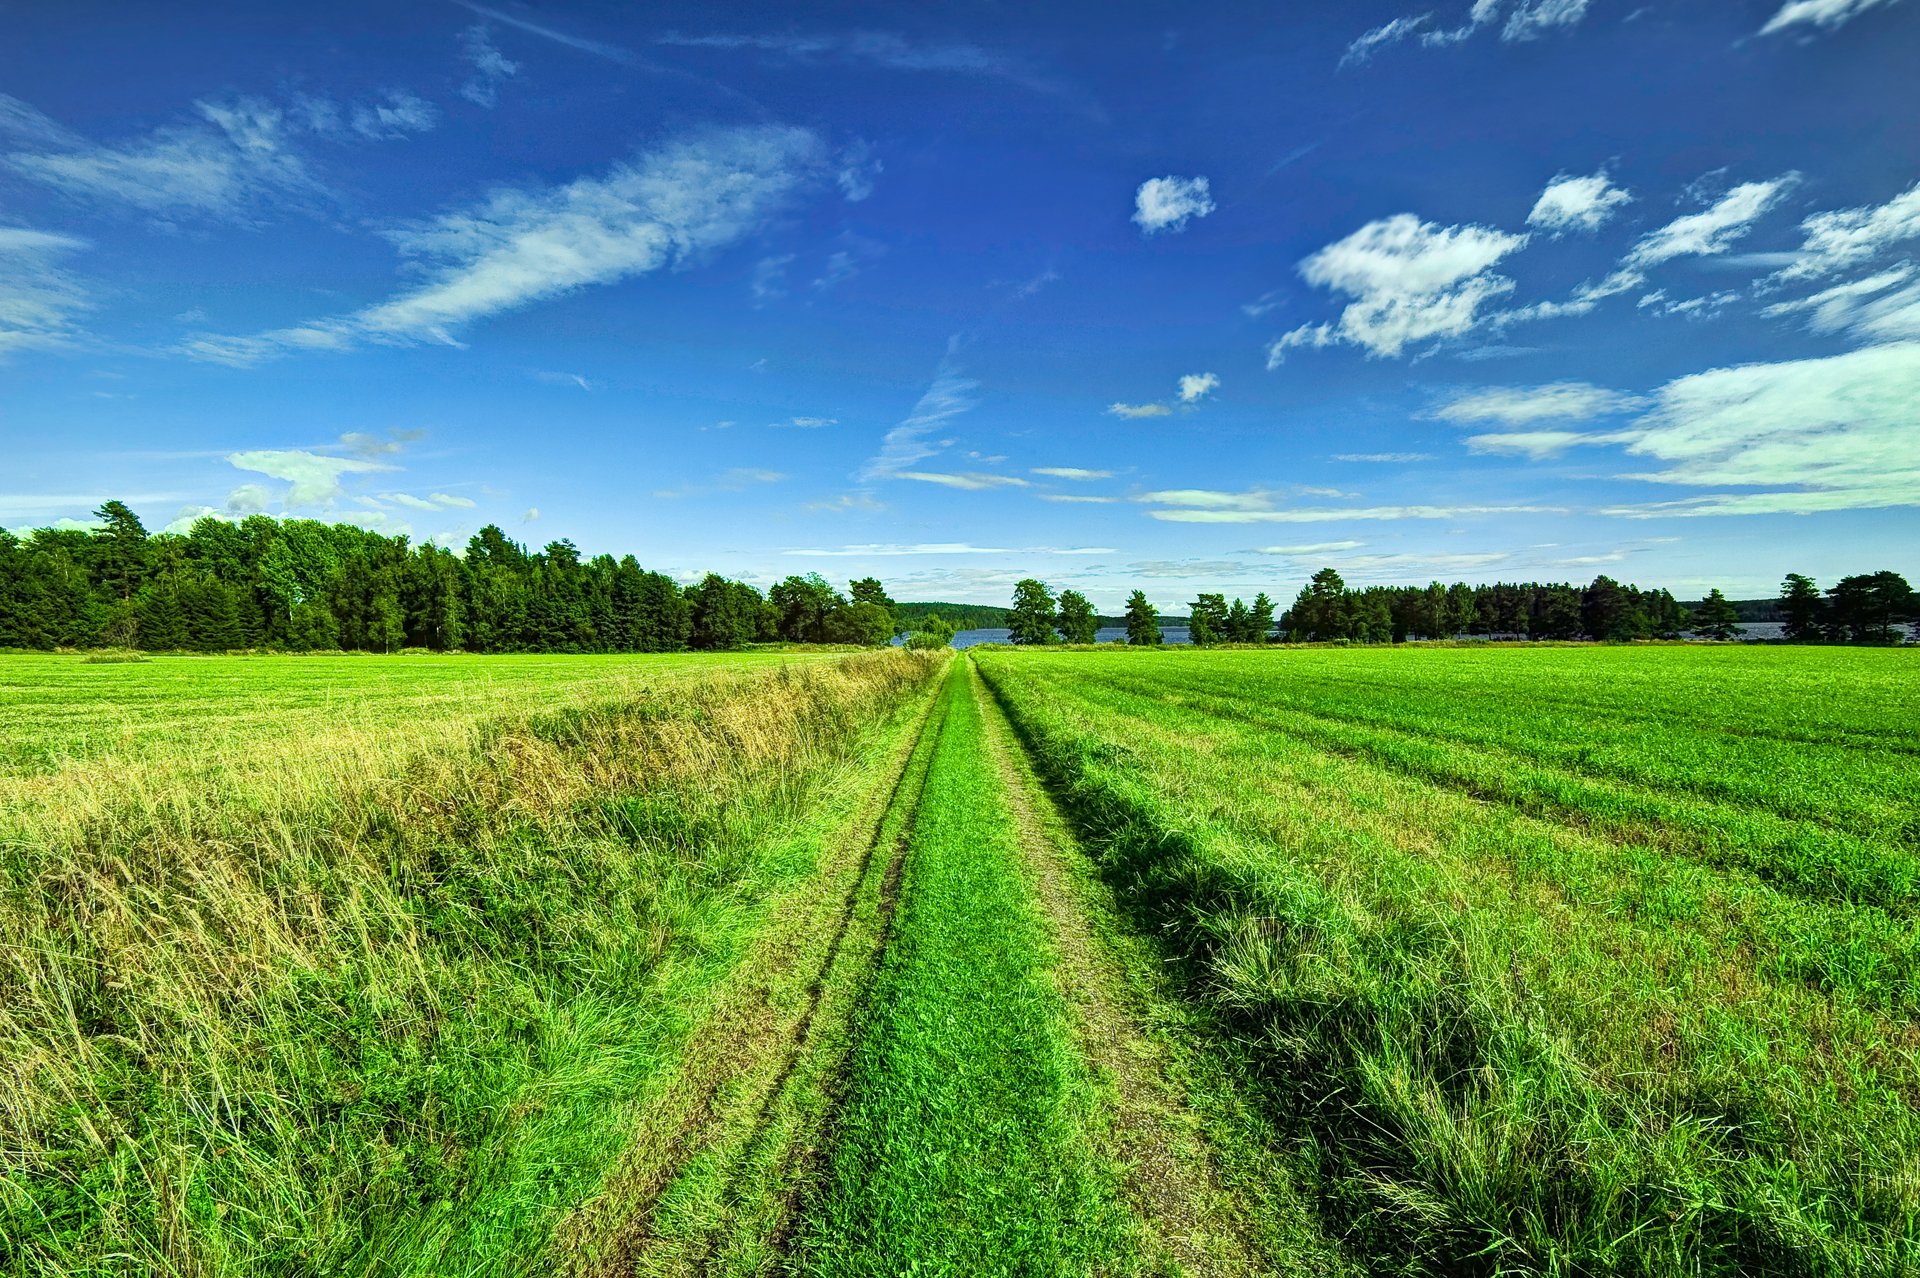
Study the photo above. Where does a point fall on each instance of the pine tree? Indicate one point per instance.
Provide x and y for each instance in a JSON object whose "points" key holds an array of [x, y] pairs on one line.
{"points": [[1716, 618], [1143, 625]]}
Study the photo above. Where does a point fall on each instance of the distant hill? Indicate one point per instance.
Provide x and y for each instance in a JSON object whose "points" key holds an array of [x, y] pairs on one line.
{"points": [[985, 616], [1747, 609]]}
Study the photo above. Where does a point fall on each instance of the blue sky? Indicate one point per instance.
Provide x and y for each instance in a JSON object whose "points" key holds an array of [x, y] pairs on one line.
{"points": [[1177, 297]]}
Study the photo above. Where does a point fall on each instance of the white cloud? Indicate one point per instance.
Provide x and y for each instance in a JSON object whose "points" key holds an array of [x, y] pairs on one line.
{"points": [[1528, 21], [1139, 410], [948, 397], [945, 548], [1167, 203], [1819, 13], [1824, 434], [972, 481], [314, 479], [1540, 444], [1410, 280], [37, 299], [532, 515], [552, 378], [1845, 237], [886, 50], [770, 278], [235, 156], [1076, 473], [490, 67], [599, 49], [1389, 33], [1314, 548], [1525, 20], [670, 207], [1336, 514], [1195, 387], [1211, 498], [1078, 499], [1712, 230], [395, 116], [811, 423], [1577, 203], [1383, 457], [1522, 405]]}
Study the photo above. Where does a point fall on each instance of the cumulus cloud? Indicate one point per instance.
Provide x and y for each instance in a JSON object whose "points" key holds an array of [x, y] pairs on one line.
{"points": [[38, 299], [314, 479], [1409, 280], [910, 441], [1826, 14], [1168, 203], [490, 66], [1577, 203], [668, 208], [1195, 387]]}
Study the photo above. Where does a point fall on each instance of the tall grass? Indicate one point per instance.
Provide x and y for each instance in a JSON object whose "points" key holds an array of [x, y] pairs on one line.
{"points": [[369, 999]]}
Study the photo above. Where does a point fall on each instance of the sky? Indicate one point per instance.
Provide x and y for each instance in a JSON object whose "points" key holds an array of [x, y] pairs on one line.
{"points": [[1175, 297]]}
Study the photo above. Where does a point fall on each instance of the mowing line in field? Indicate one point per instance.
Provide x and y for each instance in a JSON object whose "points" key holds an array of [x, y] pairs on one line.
{"points": [[963, 1146], [705, 1186]]}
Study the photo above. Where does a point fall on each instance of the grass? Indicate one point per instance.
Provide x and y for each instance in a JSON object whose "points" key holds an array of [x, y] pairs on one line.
{"points": [[1563, 961], [369, 982], [962, 1143]]}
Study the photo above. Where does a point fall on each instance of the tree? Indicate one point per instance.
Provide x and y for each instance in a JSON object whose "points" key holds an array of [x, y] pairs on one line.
{"points": [[804, 604], [866, 624], [931, 633], [1320, 611], [1716, 617], [1260, 619], [724, 615], [1076, 618], [868, 590], [1143, 624], [1608, 611], [1867, 608], [1803, 608], [1208, 622], [1031, 617]]}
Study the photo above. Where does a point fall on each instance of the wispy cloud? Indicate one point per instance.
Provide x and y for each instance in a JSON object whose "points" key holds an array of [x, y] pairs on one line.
{"points": [[886, 50], [1260, 506], [670, 207], [1169, 203], [1384, 458], [491, 68], [1525, 20], [971, 481], [1825, 14], [1076, 473], [38, 299], [598, 48], [911, 440], [1311, 548], [1138, 410], [1577, 203], [1523, 405], [887, 549], [1848, 237]]}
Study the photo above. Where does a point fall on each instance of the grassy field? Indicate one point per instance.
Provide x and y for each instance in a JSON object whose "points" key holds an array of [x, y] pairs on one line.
{"points": [[1549, 960], [1567, 960], [370, 984]]}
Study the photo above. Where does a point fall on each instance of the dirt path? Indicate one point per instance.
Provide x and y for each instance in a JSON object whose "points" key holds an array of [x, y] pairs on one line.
{"points": [[745, 1110], [1194, 1221]]}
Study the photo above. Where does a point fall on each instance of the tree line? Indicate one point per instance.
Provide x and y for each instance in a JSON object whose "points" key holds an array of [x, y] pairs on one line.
{"points": [[303, 585], [1869, 608]]}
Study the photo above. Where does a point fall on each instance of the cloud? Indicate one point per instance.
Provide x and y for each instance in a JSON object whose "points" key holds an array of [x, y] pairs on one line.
{"points": [[1079, 499], [1211, 498], [809, 423], [1205, 506], [599, 49], [1540, 444], [314, 479], [1846, 237], [362, 444], [946, 398], [1071, 472], [1195, 387], [1826, 14], [1313, 548], [769, 282], [552, 378], [847, 501], [1139, 410], [1167, 203], [532, 516], [859, 168], [972, 481], [945, 548], [397, 115], [1410, 280], [1521, 405], [234, 157], [38, 300], [1864, 307], [1577, 203], [490, 67], [1525, 20], [886, 50], [434, 502], [1712, 230], [1831, 433], [1383, 457], [668, 208]]}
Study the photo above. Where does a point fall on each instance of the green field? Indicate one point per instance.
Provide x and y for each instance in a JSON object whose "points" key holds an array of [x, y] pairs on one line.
{"points": [[1485, 960]]}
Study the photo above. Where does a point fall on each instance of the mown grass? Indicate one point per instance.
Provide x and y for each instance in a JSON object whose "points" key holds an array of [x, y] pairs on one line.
{"points": [[1564, 961], [962, 1144], [372, 992]]}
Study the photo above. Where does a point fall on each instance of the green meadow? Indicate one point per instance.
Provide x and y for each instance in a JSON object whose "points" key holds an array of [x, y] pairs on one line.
{"points": [[1425, 960]]}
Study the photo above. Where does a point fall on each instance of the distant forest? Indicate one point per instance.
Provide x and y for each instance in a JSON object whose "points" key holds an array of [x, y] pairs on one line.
{"points": [[302, 585]]}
